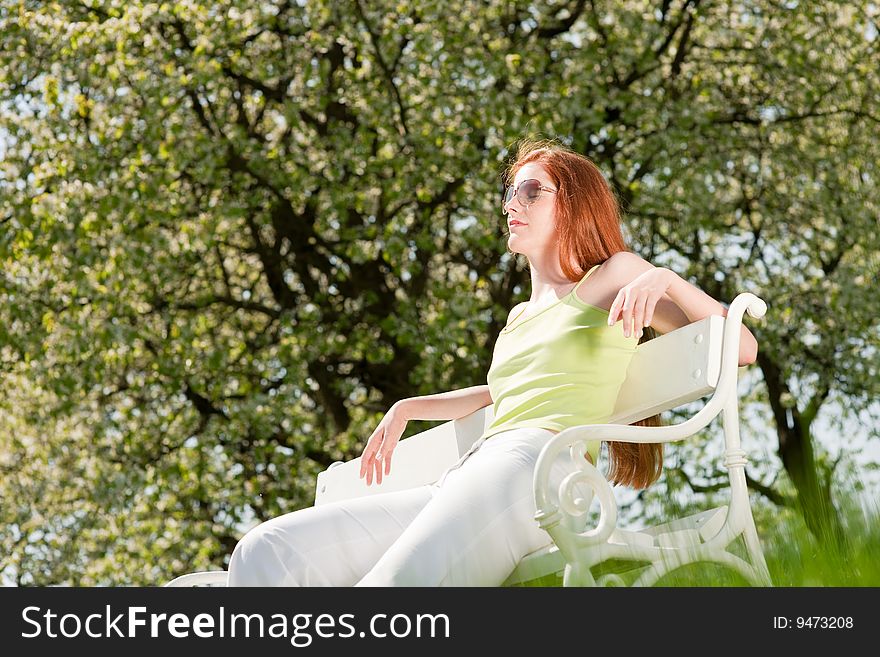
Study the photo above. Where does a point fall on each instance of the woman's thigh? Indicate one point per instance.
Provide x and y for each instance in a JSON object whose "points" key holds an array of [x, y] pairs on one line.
{"points": [[478, 525], [329, 545]]}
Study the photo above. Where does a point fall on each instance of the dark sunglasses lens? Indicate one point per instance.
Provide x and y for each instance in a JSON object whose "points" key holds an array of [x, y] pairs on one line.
{"points": [[508, 194], [529, 191]]}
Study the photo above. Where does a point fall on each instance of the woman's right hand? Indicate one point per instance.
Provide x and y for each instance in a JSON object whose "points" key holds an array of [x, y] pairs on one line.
{"points": [[381, 443]]}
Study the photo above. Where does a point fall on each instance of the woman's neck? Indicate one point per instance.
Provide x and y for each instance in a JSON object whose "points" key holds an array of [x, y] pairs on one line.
{"points": [[548, 281]]}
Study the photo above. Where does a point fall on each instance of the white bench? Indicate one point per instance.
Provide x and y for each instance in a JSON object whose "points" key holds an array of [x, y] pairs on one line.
{"points": [[684, 365]]}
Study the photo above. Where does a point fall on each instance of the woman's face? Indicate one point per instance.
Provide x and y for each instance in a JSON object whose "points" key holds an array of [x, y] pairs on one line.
{"points": [[533, 226]]}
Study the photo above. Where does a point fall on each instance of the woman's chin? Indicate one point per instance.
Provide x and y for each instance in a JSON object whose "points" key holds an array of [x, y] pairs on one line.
{"points": [[512, 240]]}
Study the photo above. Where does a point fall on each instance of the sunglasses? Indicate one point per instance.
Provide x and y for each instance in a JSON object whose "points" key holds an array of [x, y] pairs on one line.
{"points": [[527, 192]]}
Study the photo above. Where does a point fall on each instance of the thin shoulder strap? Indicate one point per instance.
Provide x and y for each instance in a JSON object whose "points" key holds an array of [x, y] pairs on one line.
{"points": [[586, 276]]}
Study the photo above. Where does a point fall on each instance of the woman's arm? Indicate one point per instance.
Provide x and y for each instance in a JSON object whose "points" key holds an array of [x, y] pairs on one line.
{"points": [[668, 316], [697, 305], [691, 300], [445, 405], [448, 405]]}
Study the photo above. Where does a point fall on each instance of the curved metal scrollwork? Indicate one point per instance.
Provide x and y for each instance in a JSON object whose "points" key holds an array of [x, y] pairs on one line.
{"points": [[611, 579], [573, 506]]}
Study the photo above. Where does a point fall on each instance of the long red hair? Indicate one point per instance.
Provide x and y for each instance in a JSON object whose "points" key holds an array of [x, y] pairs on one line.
{"points": [[588, 222]]}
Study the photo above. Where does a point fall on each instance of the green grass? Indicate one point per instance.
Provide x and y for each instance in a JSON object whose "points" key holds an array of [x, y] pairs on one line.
{"points": [[794, 557]]}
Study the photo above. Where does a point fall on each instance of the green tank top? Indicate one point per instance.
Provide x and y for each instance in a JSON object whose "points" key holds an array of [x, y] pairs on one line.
{"points": [[560, 367]]}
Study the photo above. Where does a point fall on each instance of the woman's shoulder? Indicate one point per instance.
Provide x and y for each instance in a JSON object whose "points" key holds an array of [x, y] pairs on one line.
{"points": [[515, 310], [623, 263], [602, 286]]}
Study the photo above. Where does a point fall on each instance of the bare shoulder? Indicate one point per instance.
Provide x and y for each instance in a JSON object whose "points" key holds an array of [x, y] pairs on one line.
{"points": [[515, 310], [620, 270], [601, 288], [626, 263]]}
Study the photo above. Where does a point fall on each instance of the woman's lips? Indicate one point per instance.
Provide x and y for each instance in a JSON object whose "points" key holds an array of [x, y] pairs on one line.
{"points": [[513, 224]]}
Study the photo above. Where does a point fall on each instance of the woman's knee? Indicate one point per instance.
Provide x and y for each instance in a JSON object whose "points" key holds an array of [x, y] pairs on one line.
{"points": [[263, 558]]}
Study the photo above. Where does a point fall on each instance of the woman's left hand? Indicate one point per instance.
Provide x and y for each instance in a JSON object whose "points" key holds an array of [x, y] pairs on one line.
{"points": [[636, 301]]}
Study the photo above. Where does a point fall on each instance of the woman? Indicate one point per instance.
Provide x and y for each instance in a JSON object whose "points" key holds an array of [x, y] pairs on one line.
{"points": [[558, 362]]}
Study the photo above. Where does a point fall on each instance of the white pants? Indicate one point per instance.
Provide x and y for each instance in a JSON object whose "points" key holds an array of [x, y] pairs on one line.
{"points": [[470, 528]]}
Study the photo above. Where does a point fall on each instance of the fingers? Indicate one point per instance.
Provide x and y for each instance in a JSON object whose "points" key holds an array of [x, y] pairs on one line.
{"points": [[649, 311], [371, 468], [638, 315], [376, 461], [644, 314], [622, 307], [373, 443], [365, 459], [382, 461], [614, 311], [636, 310], [628, 306], [378, 465], [376, 457], [374, 470]]}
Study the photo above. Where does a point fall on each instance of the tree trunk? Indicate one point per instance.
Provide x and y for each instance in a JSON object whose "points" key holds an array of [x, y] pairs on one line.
{"points": [[796, 452]]}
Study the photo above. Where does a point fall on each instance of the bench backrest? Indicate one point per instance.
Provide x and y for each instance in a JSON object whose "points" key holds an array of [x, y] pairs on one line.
{"points": [[671, 370]]}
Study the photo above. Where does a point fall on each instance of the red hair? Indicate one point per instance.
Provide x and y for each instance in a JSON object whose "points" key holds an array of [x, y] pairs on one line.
{"points": [[588, 223]]}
